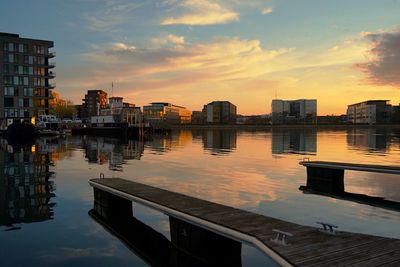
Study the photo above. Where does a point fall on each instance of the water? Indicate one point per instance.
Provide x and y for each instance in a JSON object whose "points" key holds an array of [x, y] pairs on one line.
{"points": [[45, 196]]}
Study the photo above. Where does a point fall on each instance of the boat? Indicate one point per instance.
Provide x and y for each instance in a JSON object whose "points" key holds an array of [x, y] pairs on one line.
{"points": [[48, 125]]}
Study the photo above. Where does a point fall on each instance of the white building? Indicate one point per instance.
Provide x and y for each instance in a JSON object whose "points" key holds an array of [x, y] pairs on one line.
{"points": [[370, 112]]}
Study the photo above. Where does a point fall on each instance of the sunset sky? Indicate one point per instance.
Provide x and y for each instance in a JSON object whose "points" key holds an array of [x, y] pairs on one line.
{"points": [[191, 52]]}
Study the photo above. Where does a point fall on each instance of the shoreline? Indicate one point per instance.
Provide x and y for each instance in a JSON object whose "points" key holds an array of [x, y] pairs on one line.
{"points": [[270, 127]]}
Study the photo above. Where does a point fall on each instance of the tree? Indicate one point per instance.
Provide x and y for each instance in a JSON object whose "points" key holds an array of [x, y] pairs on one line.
{"points": [[64, 109]]}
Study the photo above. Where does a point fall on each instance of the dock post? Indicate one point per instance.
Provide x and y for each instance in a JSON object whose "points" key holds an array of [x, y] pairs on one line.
{"points": [[325, 179], [110, 206], [205, 245]]}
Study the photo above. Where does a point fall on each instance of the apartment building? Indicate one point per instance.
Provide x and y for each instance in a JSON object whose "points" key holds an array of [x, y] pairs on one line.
{"points": [[94, 101], [370, 112], [26, 71]]}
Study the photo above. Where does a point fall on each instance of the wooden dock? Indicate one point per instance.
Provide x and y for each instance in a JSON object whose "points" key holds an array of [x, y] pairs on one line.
{"points": [[352, 166], [308, 246]]}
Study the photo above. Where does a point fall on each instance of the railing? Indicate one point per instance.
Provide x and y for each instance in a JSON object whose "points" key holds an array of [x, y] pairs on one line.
{"points": [[51, 54]]}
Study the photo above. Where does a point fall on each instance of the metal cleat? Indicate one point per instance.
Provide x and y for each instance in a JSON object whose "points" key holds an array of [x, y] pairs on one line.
{"points": [[328, 228], [101, 175], [280, 237]]}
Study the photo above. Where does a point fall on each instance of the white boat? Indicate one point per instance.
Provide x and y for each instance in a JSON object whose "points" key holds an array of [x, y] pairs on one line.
{"points": [[48, 125]]}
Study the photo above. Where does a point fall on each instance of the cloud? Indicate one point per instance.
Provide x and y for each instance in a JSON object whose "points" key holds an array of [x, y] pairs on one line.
{"points": [[384, 66], [169, 39], [266, 11], [202, 12], [110, 15]]}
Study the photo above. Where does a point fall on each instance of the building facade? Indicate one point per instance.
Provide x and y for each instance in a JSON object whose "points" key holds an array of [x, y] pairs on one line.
{"points": [[294, 111], [94, 101], [26, 72], [118, 112], [161, 112], [220, 112], [370, 112]]}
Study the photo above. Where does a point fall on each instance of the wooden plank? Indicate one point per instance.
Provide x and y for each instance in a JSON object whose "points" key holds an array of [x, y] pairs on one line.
{"points": [[353, 166], [307, 247]]}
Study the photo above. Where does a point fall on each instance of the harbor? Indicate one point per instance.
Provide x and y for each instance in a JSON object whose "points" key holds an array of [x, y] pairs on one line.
{"points": [[240, 181]]}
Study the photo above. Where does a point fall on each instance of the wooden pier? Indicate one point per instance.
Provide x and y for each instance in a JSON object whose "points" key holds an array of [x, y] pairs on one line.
{"points": [[351, 166], [300, 245]]}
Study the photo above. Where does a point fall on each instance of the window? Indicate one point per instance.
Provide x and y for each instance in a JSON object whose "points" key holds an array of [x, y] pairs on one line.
{"points": [[28, 91], [10, 91], [11, 47], [26, 102], [8, 79], [8, 102], [30, 71], [26, 81], [30, 60], [21, 113], [21, 102], [20, 69], [6, 68], [11, 58], [16, 80], [21, 48]]}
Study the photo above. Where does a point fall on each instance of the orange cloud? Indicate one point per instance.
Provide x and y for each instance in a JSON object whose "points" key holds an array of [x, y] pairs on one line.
{"points": [[202, 12]]}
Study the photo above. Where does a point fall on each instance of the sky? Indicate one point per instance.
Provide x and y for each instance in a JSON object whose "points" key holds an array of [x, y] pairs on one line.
{"points": [[192, 52]]}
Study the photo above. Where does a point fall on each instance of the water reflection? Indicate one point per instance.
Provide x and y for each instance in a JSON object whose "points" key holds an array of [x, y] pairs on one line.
{"points": [[162, 143], [296, 141], [26, 183], [116, 152], [219, 142], [371, 139]]}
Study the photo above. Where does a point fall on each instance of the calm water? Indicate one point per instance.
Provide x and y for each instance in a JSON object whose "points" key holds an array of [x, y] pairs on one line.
{"points": [[45, 196]]}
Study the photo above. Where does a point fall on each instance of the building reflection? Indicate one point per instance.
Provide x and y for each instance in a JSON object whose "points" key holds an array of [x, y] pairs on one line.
{"points": [[161, 143], [294, 141], [219, 142], [115, 152], [371, 139], [26, 183]]}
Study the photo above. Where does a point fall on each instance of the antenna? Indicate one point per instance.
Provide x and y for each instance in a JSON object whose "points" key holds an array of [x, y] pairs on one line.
{"points": [[112, 89]]}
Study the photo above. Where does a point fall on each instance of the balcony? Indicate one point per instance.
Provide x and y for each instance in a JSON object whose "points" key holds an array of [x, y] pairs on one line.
{"points": [[51, 86], [51, 65], [50, 75], [51, 54]]}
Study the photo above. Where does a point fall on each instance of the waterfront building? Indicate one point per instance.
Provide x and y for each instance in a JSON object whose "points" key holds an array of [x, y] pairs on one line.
{"points": [[25, 74], [220, 112], [94, 101], [161, 112], [370, 112], [197, 117], [118, 112], [294, 111]]}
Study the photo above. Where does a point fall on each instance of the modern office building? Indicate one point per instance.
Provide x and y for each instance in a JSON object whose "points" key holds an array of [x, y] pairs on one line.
{"points": [[161, 112], [220, 112], [370, 112], [94, 101], [25, 74], [294, 111]]}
